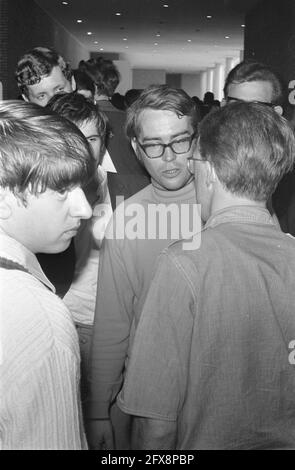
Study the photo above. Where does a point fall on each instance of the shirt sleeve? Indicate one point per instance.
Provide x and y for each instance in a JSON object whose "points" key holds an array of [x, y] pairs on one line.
{"points": [[112, 324], [157, 374]]}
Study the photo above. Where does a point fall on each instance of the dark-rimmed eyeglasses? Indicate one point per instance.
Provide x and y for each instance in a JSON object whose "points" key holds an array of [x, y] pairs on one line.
{"points": [[230, 99], [178, 147]]}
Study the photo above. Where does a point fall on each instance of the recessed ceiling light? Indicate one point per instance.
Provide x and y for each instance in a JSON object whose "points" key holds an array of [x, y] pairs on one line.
{"points": [[158, 35], [101, 49], [79, 21], [226, 37], [95, 42], [155, 44], [165, 5], [209, 17], [89, 33], [65, 3], [126, 47], [118, 14], [189, 40], [243, 25], [124, 39]]}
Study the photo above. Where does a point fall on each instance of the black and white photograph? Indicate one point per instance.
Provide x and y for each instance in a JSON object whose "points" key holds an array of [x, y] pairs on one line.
{"points": [[147, 224]]}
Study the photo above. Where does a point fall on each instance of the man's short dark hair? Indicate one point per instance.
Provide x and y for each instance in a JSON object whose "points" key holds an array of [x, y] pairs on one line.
{"points": [[160, 97], [250, 147], [40, 150], [250, 71], [37, 64], [83, 81], [104, 73], [78, 109]]}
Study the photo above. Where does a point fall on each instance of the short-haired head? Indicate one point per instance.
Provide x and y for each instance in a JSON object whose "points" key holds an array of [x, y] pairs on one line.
{"points": [[250, 147], [160, 97], [104, 73], [84, 84], [37, 64], [79, 110], [250, 71], [40, 150]]}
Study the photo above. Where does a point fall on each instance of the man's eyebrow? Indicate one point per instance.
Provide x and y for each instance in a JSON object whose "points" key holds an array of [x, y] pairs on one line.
{"points": [[173, 136], [61, 85], [93, 135]]}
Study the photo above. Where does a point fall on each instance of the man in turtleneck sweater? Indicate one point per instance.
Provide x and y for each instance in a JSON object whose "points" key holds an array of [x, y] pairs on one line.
{"points": [[162, 126]]}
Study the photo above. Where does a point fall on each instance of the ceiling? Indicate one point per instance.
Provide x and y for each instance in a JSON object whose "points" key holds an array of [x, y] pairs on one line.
{"points": [[189, 41]]}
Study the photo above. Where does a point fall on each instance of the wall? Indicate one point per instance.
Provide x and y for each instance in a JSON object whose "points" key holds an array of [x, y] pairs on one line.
{"points": [[191, 83], [143, 78], [270, 38], [26, 26], [126, 76], [173, 80], [4, 76]]}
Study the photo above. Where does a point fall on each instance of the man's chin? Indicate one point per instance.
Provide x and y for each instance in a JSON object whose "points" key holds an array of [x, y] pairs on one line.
{"points": [[58, 248]]}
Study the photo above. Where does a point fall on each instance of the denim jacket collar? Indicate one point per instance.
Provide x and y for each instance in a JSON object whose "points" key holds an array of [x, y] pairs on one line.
{"points": [[240, 214]]}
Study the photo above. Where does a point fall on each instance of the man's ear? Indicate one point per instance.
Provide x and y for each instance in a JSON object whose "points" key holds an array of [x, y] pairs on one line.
{"points": [[278, 109], [134, 146], [5, 209], [73, 83], [211, 176]]}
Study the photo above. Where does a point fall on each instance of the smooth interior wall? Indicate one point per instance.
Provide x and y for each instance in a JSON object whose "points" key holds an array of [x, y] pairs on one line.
{"points": [[142, 78], [25, 25]]}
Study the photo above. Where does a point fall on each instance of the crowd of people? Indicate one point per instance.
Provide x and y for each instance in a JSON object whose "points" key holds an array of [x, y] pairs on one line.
{"points": [[147, 263]]}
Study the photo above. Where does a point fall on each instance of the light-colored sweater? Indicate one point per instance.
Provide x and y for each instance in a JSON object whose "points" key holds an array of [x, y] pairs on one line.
{"points": [[39, 360], [126, 268]]}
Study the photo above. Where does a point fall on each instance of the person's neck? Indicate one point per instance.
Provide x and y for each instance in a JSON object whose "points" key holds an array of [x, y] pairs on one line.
{"points": [[227, 200]]}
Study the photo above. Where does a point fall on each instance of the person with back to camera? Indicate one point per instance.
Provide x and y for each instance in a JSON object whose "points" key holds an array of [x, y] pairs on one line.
{"points": [[213, 363]]}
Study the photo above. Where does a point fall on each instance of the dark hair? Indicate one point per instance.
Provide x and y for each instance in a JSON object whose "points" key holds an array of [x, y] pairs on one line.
{"points": [[78, 109], [132, 95], [83, 81], [160, 97], [118, 101], [250, 146], [40, 150], [38, 63], [208, 97], [250, 71], [104, 74]]}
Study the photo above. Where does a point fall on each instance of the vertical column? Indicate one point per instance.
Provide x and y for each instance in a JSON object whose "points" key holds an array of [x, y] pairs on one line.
{"points": [[204, 78], [210, 73], [218, 81], [228, 65]]}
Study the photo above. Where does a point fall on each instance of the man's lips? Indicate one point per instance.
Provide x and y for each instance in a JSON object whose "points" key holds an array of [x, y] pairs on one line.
{"points": [[73, 229], [171, 172]]}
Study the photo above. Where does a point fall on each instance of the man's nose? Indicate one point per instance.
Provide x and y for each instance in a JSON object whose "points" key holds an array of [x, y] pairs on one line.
{"points": [[168, 155], [80, 207]]}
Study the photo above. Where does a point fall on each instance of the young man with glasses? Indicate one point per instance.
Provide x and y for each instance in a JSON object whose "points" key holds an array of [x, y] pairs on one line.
{"points": [[212, 363], [255, 82], [161, 125]]}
